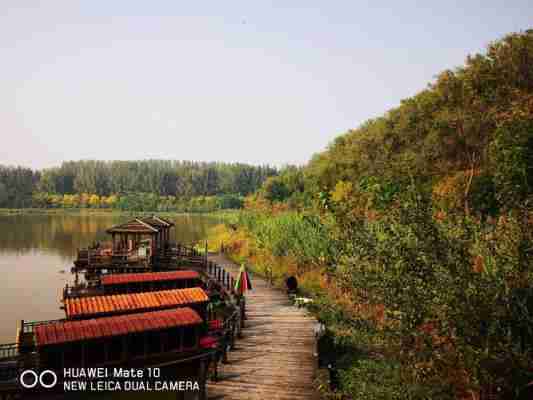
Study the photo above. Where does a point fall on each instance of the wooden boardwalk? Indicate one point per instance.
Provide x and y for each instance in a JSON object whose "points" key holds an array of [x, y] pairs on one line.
{"points": [[274, 360]]}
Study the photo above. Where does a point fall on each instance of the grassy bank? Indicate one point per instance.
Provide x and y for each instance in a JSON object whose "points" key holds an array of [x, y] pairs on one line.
{"points": [[288, 245]]}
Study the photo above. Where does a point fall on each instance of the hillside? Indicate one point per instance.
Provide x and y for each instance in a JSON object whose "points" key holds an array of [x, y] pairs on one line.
{"points": [[467, 137]]}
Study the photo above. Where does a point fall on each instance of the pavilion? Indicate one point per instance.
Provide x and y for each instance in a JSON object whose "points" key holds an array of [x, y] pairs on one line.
{"points": [[129, 235]]}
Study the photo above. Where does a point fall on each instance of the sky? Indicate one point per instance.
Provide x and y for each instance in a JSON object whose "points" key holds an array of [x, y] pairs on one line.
{"points": [[261, 82]]}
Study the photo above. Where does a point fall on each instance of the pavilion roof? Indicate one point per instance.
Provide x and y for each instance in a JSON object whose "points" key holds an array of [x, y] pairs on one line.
{"points": [[156, 221], [149, 226]]}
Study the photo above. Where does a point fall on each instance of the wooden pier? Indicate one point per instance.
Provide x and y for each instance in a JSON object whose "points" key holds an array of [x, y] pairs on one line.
{"points": [[275, 357]]}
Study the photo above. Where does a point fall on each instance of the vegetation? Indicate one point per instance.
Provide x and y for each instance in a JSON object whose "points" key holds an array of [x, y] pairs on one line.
{"points": [[152, 185], [414, 234]]}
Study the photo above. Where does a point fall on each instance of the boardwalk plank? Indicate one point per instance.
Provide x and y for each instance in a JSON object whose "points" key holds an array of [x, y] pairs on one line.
{"points": [[274, 359]]}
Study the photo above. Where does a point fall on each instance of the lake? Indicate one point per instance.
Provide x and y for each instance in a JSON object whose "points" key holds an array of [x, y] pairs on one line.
{"points": [[37, 253]]}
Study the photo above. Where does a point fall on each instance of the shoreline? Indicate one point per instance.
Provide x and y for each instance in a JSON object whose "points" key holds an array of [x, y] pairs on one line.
{"points": [[105, 212]]}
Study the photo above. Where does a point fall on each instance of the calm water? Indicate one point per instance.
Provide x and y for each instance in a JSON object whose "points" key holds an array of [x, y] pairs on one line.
{"points": [[36, 254]]}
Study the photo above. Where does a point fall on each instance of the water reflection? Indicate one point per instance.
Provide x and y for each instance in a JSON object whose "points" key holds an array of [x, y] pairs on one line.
{"points": [[36, 254]]}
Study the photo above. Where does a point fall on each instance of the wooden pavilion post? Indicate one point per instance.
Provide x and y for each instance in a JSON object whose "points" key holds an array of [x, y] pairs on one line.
{"points": [[154, 246]]}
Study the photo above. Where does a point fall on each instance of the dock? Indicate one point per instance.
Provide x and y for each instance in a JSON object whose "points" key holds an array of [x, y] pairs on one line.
{"points": [[266, 344], [274, 359]]}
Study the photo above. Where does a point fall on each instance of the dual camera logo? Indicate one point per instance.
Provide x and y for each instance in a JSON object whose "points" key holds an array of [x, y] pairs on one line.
{"points": [[30, 379]]}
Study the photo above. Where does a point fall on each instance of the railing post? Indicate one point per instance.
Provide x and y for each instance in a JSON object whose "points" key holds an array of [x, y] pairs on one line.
{"points": [[238, 322], [243, 310], [232, 340], [225, 348], [206, 252], [20, 335], [203, 379]]}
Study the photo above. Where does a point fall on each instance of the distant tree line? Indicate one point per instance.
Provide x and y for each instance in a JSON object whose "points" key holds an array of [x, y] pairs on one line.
{"points": [[16, 186], [138, 185]]}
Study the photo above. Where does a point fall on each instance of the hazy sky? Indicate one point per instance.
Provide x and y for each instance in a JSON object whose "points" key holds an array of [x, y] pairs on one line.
{"points": [[250, 81]]}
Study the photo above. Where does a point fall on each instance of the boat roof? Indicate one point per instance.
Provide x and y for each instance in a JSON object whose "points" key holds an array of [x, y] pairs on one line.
{"points": [[89, 307], [123, 279], [73, 331]]}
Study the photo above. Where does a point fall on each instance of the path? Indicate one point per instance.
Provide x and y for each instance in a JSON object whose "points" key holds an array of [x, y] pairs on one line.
{"points": [[274, 359]]}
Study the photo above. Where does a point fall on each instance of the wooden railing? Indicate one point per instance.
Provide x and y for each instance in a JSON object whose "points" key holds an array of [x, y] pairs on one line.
{"points": [[9, 351], [87, 258], [219, 274], [81, 290], [29, 327]]}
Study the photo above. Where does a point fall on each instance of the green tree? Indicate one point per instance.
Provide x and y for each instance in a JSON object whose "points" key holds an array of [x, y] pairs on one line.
{"points": [[274, 189], [512, 158]]}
